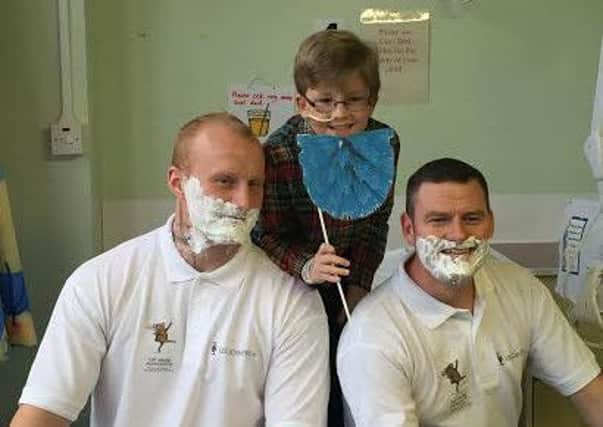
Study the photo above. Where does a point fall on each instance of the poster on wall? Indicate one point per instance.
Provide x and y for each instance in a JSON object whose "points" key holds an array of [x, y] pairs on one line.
{"points": [[402, 40], [262, 106]]}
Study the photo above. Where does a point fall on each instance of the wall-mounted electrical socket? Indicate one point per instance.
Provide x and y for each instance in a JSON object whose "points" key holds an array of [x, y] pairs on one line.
{"points": [[66, 138]]}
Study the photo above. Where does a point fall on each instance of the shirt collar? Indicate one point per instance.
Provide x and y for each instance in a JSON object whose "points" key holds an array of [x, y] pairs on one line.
{"points": [[426, 308], [483, 284], [230, 275]]}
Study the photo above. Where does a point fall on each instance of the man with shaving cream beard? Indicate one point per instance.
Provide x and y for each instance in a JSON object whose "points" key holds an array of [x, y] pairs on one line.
{"points": [[446, 340], [190, 324]]}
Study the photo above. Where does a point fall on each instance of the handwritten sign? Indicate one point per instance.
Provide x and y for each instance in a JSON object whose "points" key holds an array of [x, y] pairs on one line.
{"points": [[263, 107], [403, 46], [397, 50]]}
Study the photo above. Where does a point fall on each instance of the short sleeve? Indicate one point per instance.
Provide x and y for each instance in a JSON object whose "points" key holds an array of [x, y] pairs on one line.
{"points": [[558, 356], [375, 384], [297, 385], [67, 365]]}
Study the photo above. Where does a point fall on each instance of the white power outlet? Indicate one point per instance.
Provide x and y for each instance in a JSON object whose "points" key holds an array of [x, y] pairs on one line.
{"points": [[66, 138]]}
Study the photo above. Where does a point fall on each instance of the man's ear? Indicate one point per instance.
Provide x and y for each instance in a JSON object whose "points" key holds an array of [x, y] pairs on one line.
{"points": [[175, 181], [408, 230], [491, 226]]}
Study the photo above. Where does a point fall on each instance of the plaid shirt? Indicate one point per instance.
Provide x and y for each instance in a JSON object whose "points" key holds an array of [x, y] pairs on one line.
{"points": [[289, 228]]}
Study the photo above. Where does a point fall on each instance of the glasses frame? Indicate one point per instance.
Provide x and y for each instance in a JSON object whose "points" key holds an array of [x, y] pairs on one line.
{"points": [[334, 103]]}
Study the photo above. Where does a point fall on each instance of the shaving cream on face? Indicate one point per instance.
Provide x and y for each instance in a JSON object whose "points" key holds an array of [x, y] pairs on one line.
{"points": [[454, 269], [215, 221]]}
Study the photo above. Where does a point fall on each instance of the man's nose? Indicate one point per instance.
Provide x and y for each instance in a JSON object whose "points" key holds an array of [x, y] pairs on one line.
{"points": [[242, 197], [247, 196], [458, 231]]}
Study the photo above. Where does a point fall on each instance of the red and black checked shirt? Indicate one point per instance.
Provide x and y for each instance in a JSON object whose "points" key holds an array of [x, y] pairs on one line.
{"points": [[289, 228]]}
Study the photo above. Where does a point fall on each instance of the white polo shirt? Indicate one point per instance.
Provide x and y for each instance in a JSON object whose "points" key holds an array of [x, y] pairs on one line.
{"points": [[158, 343], [407, 359]]}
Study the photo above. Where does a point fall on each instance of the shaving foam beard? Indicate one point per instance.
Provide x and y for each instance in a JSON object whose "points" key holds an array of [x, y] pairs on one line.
{"points": [[454, 270], [215, 221]]}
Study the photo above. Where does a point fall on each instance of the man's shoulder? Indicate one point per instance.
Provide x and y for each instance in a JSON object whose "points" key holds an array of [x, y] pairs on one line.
{"points": [[379, 309], [279, 286], [509, 279], [121, 256], [505, 270], [381, 296], [380, 322], [265, 267], [267, 271]]}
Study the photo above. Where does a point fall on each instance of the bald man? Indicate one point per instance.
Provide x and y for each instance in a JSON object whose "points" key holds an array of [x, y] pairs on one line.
{"points": [[190, 324]]}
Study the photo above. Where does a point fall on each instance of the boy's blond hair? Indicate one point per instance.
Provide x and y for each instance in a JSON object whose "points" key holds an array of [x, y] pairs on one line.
{"points": [[328, 55]]}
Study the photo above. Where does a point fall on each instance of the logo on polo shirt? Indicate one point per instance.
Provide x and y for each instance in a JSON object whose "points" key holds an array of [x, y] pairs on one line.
{"points": [[509, 355], [160, 330], [457, 400], [161, 359], [223, 350], [452, 373]]}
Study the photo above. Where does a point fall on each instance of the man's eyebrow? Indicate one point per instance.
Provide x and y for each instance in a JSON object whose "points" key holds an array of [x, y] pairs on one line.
{"points": [[222, 174], [443, 214], [436, 213], [476, 212]]}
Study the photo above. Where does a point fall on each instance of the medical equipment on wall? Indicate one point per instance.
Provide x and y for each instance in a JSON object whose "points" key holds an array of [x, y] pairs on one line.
{"points": [[580, 277], [66, 133]]}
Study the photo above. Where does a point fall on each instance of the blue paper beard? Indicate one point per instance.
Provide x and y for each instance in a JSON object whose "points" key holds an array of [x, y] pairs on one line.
{"points": [[348, 177]]}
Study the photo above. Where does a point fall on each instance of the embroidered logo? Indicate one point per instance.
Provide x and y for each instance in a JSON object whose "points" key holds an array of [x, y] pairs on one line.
{"points": [[452, 373], [161, 334], [158, 362], [222, 350], [509, 355]]}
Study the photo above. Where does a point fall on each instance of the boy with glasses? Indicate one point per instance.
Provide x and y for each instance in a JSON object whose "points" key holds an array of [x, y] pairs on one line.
{"points": [[337, 80]]}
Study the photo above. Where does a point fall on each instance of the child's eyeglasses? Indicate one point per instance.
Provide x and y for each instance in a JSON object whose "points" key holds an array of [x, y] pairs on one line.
{"points": [[326, 106]]}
